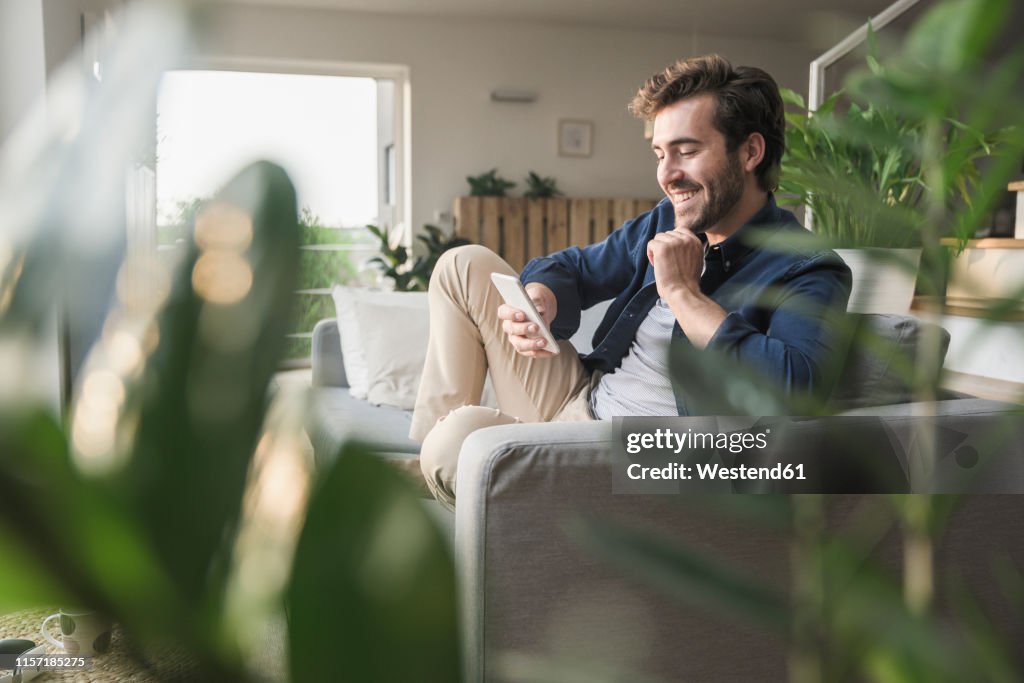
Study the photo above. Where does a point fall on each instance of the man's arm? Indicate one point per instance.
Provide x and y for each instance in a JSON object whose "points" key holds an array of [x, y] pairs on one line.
{"points": [[794, 350], [803, 335], [582, 277]]}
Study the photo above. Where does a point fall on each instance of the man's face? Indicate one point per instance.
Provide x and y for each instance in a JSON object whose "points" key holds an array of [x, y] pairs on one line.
{"points": [[704, 181]]}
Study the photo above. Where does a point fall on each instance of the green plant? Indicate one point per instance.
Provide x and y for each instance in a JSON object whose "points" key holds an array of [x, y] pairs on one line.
{"points": [[836, 165], [488, 184], [394, 260], [110, 522], [171, 498], [910, 160], [329, 262], [843, 616], [329, 256], [861, 161], [540, 187]]}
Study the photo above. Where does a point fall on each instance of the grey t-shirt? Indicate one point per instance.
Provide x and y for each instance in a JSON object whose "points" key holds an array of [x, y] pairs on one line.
{"points": [[641, 385]]}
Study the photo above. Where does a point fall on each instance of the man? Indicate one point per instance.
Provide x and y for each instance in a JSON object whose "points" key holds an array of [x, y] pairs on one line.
{"points": [[692, 270]]}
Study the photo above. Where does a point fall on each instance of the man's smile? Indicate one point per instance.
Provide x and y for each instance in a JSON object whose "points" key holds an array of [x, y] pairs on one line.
{"points": [[680, 196]]}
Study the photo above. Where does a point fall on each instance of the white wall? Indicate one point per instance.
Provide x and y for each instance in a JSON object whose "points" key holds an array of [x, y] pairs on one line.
{"points": [[22, 89], [988, 349], [577, 72], [62, 20], [22, 61]]}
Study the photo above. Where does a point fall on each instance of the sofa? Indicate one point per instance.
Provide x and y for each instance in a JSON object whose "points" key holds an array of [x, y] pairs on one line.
{"points": [[337, 416], [536, 601]]}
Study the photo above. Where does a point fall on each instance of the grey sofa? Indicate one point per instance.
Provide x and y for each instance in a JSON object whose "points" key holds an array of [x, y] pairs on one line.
{"points": [[337, 417], [534, 600]]}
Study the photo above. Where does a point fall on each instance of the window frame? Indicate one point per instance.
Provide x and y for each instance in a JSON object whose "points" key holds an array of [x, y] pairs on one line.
{"points": [[399, 193]]}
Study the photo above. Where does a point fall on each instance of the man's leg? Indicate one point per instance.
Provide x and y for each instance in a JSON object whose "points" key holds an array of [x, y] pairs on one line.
{"points": [[440, 452], [439, 456], [466, 339]]}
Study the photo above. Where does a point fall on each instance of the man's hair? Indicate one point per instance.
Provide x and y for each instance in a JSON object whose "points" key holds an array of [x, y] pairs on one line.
{"points": [[747, 101]]}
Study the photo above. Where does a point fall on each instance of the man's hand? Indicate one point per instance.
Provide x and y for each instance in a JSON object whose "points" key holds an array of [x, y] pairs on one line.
{"points": [[678, 259], [522, 334]]}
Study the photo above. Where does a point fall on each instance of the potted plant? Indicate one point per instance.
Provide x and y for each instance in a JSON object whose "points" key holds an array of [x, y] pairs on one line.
{"points": [[834, 167], [488, 184], [393, 261], [883, 166], [541, 187]]}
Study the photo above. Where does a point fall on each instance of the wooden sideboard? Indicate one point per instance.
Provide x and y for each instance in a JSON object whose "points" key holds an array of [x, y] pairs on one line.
{"points": [[521, 229]]}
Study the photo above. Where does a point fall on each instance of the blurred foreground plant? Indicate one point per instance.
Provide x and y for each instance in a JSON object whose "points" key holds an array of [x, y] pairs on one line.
{"points": [[136, 507], [896, 159], [844, 618]]}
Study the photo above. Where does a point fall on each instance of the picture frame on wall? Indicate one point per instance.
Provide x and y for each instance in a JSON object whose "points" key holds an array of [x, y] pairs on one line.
{"points": [[575, 137]]}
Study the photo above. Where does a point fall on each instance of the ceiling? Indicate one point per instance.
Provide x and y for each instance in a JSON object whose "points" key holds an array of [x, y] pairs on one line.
{"points": [[817, 23]]}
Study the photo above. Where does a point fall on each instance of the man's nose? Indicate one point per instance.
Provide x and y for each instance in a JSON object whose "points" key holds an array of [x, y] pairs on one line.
{"points": [[670, 172]]}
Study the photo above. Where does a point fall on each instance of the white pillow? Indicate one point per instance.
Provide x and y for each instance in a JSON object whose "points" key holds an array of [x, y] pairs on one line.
{"points": [[353, 335], [394, 336], [384, 344], [351, 343]]}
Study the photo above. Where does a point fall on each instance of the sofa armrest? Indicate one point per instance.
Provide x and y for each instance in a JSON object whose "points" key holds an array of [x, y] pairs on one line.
{"points": [[326, 357], [527, 587]]}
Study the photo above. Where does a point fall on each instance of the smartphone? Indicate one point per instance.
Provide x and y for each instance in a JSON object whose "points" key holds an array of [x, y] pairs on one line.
{"points": [[515, 295]]}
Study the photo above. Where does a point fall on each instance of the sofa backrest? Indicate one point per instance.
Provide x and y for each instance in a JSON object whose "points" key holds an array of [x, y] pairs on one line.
{"points": [[887, 354], [326, 357], [328, 361], [583, 340], [884, 352]]}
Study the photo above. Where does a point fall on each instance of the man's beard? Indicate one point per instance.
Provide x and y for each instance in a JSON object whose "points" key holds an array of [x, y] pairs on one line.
{"points": [[721, 193]]}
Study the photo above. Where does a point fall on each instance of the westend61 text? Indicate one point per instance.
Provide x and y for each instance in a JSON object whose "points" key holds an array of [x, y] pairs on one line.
{"points": [[709, 472]]}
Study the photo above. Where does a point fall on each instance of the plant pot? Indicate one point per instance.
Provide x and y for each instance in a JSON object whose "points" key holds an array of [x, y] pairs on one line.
{"points": [[883, 279], [988, 274]]}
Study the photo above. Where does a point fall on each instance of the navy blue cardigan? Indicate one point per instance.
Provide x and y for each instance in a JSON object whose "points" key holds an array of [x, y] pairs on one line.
{"points": [[777, 296]]}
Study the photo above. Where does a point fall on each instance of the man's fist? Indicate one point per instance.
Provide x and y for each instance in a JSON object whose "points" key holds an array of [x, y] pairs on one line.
{"points": [[678, 260]]}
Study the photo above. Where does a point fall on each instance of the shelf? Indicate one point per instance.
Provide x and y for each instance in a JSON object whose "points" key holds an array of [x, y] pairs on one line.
{"points": [[987, 243], [983, 387], [974, 308]]}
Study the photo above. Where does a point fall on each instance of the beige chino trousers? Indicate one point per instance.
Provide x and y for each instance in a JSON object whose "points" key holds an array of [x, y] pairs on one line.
{"points": [[467, 340]]}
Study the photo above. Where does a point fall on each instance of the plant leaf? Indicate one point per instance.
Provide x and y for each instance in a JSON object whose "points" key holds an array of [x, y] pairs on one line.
{"points": [[195, 436], [953, 36], [373, 583]]}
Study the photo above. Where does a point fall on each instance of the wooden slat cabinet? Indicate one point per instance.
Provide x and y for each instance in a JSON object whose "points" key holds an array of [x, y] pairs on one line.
{"points": [[521, 229]]}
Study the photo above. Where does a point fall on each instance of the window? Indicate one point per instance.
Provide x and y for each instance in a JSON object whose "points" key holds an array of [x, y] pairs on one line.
{"points": [[334, 134]]}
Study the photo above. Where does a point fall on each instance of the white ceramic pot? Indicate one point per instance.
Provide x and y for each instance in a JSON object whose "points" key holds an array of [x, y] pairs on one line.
{"points": [[985, 276], [883, 279]]}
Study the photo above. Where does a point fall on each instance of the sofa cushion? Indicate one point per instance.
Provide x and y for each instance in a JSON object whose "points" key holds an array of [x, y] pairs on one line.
{"points": [[355, 306], [583, 340], [336, 417], [394, 341], [885, 350]]}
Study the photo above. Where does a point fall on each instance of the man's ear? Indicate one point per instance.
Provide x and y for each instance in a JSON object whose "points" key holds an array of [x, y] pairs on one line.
{"points": [[752, 151]]}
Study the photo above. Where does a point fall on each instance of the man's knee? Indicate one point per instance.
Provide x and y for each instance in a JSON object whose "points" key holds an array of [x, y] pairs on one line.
{"points": [[439, 455], [459, 261]]}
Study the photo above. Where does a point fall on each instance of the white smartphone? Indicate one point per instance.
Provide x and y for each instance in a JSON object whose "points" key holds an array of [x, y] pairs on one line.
{"points": [[515, 295]]}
